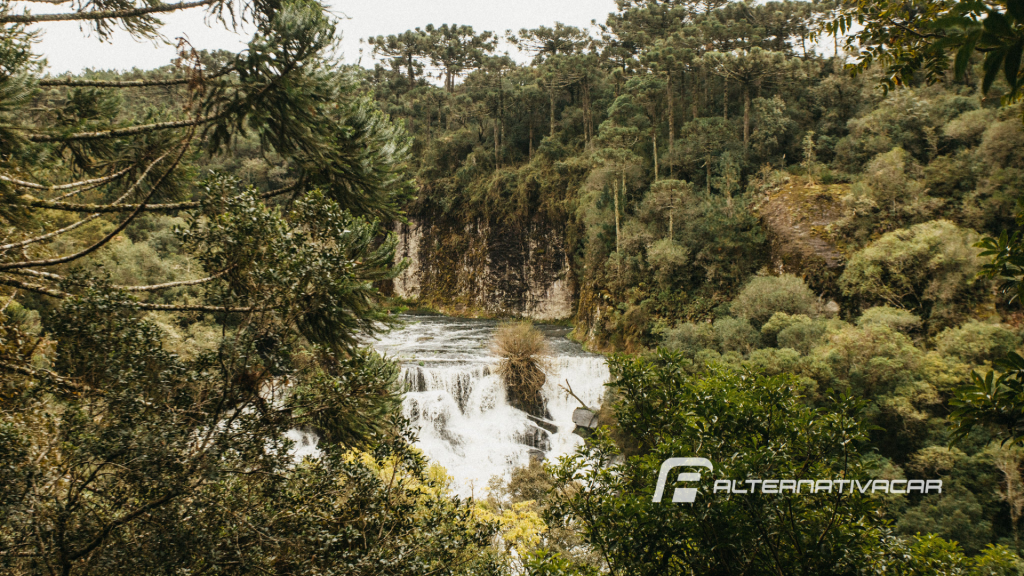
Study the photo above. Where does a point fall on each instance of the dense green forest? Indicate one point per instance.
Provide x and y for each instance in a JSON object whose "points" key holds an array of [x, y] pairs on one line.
{"points": [[797, 249]]}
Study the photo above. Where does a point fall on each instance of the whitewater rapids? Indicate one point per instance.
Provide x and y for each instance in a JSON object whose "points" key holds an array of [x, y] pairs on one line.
{"points": [[459, 406]]}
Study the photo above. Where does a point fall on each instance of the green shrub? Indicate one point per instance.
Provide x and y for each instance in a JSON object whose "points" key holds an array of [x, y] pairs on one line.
{"points": [[667, 258], [773, 361], [736, 335], [803, 336], [976, 342], [873, 360], [929, 268], [1003, 144], [690, 338], [779, 322], [705, 357], [968, 128], [894, 318], [955, 514], [763, 296], [952, 176], [888, 177]]}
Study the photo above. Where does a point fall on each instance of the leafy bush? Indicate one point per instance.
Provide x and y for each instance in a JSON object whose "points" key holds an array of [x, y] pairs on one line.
{"points": [[894, 318], [929, 268], [779, 322], [763, 296], [952, 176], [901, 122], [773, 361], [977, 342], [668, 258], [1003, 144], [749, 426], [873, 360], [968, 128], [736, 335], [803, 336], [956, 515], [689, 338], [889, 177], [798, 332]]}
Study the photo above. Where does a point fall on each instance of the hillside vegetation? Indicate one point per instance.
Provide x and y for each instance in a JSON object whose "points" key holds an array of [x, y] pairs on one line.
{"points": [[795, 272]]}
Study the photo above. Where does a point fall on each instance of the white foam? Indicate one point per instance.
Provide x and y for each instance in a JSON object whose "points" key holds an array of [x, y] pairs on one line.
{"points": [[459, 407]]}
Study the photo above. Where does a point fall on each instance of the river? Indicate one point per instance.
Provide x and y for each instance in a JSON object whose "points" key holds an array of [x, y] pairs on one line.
{"points": [[459, 407]]}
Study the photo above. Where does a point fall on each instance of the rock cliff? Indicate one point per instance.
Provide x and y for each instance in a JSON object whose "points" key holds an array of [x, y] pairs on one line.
{"points": [[796, 218], [484, 269]]}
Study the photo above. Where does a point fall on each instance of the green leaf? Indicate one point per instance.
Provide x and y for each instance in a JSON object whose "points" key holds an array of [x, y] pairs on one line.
{"points": [[1011, 65], [991, 66], [997, 24], [963, 56]]}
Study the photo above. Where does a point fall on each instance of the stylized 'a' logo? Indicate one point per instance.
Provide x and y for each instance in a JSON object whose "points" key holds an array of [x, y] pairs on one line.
{"points": [[687, 495]]}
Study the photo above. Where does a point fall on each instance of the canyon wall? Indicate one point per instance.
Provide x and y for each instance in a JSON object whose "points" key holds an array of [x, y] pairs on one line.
{"points": [[486, 269]]}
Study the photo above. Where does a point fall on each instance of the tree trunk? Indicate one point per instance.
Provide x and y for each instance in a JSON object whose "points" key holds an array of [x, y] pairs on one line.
{"points": [[552, 123], [497, 162], [588, 116], [725, 99], [707, 92], [746, 116], [671, 122], [654, 140], [694, 97], [707, 164], [669, 223], [531, 140], [615, 191]]}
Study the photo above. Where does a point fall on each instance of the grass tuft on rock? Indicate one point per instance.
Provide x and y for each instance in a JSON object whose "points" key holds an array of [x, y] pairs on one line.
{"points": [[524, 358]]}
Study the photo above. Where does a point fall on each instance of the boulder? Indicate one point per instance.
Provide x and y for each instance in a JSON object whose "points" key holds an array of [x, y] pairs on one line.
{"points": [[584, 418]]}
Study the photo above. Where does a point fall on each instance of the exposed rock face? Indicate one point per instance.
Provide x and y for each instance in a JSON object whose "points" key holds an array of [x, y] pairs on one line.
{"points": [[507, 271], [796, 218]]}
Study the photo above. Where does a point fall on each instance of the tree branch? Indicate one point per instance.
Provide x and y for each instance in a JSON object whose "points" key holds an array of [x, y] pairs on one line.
{"points": [[102, 14], [49, 235], [80, 183], [128, 192], [568, 388], [40, 289], [43, 375], [146, 288], [113, 233], [118, 132], [111, 208], [120, 522]]}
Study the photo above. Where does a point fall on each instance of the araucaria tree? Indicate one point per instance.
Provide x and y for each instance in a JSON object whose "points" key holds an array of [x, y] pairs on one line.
{"points": [[122, 449]]}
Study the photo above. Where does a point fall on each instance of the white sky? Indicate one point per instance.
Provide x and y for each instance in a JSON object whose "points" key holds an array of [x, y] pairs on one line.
{"points": [[68, 49]]}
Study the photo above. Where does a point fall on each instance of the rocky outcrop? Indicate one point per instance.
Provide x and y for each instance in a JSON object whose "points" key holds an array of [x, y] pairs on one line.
{"points": [[796, 218], [518, 271]]}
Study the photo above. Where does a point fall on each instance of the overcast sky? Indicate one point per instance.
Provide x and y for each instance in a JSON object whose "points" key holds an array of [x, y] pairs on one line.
{"points": [[68, 49]]}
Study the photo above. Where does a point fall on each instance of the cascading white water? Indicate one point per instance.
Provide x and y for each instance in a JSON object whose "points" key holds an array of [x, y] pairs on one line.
{"points": [[459, 406]]}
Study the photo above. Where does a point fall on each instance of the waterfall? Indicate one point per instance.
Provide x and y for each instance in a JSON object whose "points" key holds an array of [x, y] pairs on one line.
{"points": [[459, 407]]}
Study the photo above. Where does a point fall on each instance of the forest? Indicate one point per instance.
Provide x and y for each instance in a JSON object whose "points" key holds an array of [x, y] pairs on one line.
{"points": [[794, 228]]}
